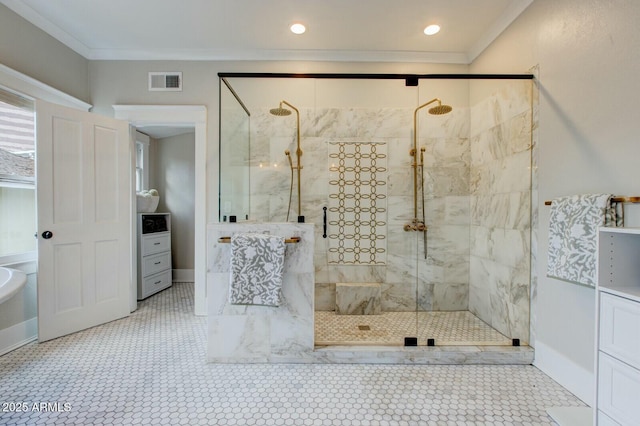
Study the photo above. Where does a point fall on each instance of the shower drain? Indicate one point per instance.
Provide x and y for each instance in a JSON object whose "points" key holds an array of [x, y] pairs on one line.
{"points": [[364, 327]]}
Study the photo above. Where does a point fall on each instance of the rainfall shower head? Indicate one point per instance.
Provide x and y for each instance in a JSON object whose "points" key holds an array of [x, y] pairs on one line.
{"points": [[440, 109], [280, 111]]}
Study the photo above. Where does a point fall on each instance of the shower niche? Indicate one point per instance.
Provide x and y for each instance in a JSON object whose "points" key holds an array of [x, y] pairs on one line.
{"points": [[420, 198]]}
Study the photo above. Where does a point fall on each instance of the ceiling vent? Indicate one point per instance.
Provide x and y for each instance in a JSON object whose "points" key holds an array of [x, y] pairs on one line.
{"points": [[165, 81]]}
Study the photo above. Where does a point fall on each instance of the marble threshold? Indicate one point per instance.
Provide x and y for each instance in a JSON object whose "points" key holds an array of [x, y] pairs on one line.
{"points": [[427, 355]]}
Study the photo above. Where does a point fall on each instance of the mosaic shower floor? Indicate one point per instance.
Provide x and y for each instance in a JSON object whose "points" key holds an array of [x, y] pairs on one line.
{"points": [[454, 328]]}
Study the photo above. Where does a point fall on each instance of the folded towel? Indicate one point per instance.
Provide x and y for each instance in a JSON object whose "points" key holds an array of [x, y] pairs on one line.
{"points": [[257, 264], [573, 235]]}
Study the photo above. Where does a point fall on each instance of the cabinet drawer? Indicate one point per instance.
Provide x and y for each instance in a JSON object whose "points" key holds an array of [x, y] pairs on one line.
{"points": [[155, 283], [156, 263], [620, 328], [618, 390], [155, 243]]}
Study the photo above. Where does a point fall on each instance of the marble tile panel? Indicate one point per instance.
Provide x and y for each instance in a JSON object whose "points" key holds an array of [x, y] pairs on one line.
{"points": [[457, 210], [455, 124], [424, 296], [490, 145], [521, 132], [446, 242], [513, 99], [399, 296], [446, 181], [238, 338], [358, 273], [505, 246], [218, 298], [479, 286], [400, 182], [399, 210], [288, 338], [457, 270], [508, 210], [269, 180], [358, 298], [278, 207], [511, 174], [323, 273], [399, 269], [446, 152], [336, 123], [398, 150], [298, 296], [325, 296], [450, 297]]}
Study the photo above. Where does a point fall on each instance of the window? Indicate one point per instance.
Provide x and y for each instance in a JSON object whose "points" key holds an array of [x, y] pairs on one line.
{"points": [[17, 175], [142, 161]]}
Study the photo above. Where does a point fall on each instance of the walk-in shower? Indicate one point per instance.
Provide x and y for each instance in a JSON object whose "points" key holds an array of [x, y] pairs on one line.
{"points": [[469, 177]]}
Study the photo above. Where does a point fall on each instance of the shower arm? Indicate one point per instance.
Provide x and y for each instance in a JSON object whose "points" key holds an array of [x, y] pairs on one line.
{"points": [[298, 165], [414, 154]]}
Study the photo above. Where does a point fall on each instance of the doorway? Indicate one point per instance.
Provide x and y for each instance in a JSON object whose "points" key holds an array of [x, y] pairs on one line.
{"points": [[180, 116]]}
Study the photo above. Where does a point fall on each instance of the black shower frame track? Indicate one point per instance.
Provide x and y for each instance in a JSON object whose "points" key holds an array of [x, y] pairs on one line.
{"points": [[409, 78]]}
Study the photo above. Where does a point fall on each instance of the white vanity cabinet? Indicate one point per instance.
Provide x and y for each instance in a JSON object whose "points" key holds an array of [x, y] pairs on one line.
{"points": [[618, 328], [154, 253]]}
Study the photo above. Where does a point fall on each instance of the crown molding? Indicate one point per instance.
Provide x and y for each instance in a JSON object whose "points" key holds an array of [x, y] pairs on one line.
{"points": [[509, 15], [278, 55], [24, 10]]}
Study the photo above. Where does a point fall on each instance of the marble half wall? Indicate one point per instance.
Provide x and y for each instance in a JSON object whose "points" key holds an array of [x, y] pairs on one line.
{"points": [[255, 334]]}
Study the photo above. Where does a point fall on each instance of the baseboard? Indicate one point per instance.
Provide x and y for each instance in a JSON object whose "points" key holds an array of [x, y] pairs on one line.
{"points": [[183, 275], [18, 335], [568, 374]]}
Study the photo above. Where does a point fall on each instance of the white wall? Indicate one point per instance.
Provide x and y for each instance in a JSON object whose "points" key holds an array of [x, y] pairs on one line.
{"points": [[174, 179], [587, 51]]}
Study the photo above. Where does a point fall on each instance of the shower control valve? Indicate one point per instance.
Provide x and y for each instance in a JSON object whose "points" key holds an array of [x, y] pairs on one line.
{"points": [[415, 225]]}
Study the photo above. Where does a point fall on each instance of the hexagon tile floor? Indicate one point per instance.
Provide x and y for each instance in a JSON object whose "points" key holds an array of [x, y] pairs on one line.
{"points": [[150, 369]]}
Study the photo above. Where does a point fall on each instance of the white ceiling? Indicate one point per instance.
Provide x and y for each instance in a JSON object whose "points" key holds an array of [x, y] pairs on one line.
{"points": [[340, 30]]}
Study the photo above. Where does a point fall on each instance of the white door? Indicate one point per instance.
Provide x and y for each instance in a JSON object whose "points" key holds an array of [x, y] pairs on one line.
{"points": [[83, 172]]}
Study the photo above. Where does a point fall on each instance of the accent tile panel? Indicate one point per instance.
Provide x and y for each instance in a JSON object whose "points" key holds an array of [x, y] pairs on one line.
{"points": [[357, 213]]}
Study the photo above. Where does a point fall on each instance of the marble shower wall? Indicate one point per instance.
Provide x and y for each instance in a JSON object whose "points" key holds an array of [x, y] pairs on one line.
{"points": [[501, 160], [441, 280]]}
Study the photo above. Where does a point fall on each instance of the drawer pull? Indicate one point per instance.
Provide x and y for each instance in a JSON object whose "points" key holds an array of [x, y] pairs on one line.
{"points": [[157, 263], [157, 282], [156, 244]]}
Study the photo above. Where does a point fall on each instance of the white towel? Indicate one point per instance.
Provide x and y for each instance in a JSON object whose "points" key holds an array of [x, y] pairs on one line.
{"points": [[573, 235], [257, 264]]}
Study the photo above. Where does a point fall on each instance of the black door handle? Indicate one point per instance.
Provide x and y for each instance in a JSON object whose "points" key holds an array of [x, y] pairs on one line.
{"points": [[324, 222], [47, 234]]}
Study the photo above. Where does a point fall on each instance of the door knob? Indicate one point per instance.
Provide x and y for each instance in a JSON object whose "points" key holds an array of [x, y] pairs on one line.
{"points": [[47, 234]]}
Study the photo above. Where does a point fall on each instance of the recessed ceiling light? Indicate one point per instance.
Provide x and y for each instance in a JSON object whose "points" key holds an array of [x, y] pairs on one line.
{"points": [[432, 29], [298, 28]]}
